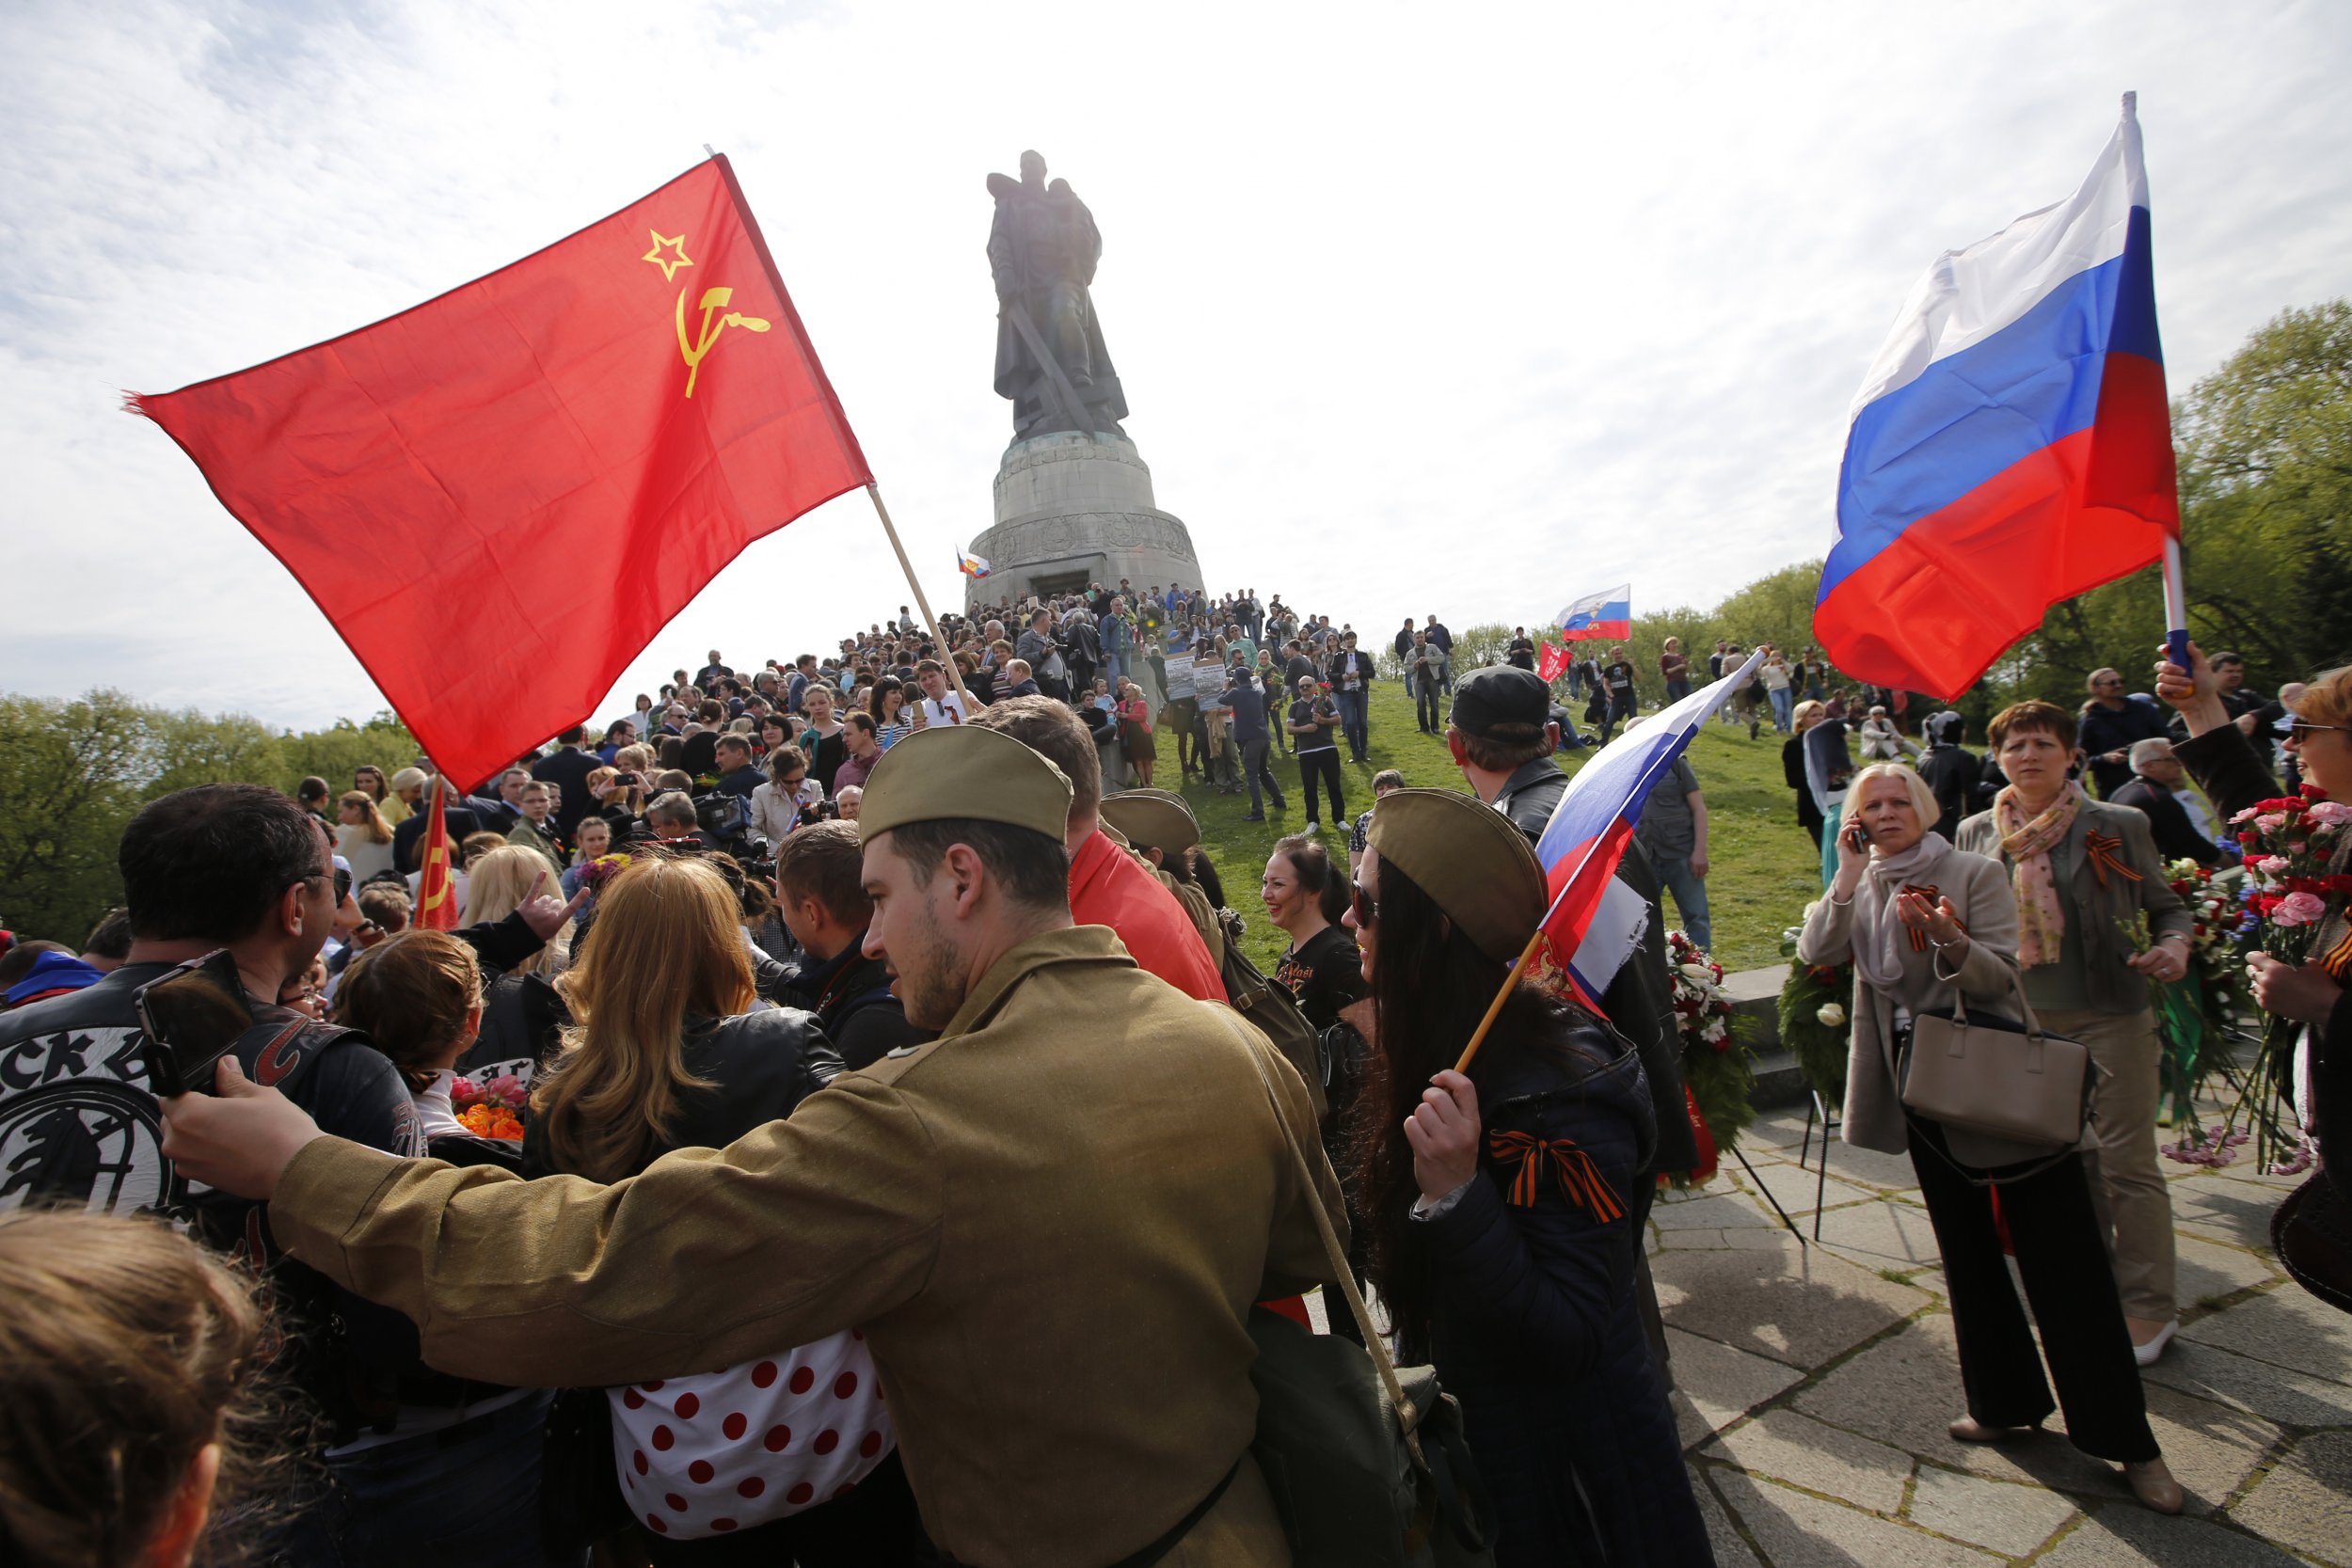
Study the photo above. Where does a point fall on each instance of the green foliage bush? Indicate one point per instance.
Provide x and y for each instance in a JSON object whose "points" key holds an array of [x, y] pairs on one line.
{"points": [[74, 774]]}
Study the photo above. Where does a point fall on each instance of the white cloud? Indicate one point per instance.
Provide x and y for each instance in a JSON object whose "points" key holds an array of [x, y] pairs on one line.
{"points": [[1470, 314]]}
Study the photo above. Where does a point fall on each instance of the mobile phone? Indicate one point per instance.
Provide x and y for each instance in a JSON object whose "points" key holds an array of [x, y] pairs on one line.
{"points": [[1858, 836], [191, 1017]]}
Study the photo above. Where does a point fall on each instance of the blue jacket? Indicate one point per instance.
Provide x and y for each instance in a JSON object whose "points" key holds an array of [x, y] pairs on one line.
{"points": [[1247, 720], [1535, 1324]]}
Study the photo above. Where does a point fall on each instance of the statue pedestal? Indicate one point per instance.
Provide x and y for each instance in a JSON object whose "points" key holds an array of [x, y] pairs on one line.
{"points": [[1075, 508]]}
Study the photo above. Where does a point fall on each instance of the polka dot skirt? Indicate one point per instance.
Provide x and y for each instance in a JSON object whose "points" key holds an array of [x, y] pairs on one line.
{"points": [[702, 1456]]}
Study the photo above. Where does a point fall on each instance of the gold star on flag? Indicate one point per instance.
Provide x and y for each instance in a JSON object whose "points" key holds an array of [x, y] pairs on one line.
{"points": [[668, 265]]}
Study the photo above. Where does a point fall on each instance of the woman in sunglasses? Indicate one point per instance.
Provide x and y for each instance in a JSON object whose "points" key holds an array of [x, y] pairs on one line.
{"points": [[2318, 992], [1497, 1203]]}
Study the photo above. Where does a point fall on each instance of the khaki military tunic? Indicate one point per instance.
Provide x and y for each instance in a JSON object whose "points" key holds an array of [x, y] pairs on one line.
{"points": [[1049, 1222]]}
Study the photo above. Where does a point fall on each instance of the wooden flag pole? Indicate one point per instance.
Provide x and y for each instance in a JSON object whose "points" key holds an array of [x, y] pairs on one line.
{"points": [[1494, 1009], [955, 672]]}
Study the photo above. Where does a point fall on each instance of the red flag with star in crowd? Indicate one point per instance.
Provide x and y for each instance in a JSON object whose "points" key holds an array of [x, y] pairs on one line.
{"points": [[437, 886], [500, 497]]}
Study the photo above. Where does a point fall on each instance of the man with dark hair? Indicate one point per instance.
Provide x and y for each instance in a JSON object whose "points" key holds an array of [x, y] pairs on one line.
{"points": [[566, 769], [824, 905], [1052, 1222], [2109, 725], [1106, 886], [1618, 692], [1502, 737], [738, 774]]}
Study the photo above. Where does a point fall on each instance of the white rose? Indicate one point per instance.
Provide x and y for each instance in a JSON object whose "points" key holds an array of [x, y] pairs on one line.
{"points": [[1698, 974], [1832, 1016]]}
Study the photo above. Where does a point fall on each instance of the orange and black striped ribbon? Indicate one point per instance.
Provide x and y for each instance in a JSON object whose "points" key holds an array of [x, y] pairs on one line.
{"points": [[2103, 857], [1581, 1182]]}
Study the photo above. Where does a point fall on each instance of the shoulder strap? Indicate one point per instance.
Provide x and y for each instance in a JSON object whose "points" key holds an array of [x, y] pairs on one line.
{"points": [[1407, 1414]]}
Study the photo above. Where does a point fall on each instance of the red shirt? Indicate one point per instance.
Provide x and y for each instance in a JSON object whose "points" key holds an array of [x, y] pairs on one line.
{"points": [[1108, 888]]}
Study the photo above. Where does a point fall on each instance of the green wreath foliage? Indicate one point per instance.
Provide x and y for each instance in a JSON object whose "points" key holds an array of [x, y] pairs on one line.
{"points": [[1819, 1048]]}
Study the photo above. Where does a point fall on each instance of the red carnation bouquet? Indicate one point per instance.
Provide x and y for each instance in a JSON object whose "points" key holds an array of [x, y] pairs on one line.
{"points": [[2296, 848]]}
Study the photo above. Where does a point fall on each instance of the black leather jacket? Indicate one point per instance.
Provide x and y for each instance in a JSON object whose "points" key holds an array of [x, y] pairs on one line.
{"points": [[759, 1067]]}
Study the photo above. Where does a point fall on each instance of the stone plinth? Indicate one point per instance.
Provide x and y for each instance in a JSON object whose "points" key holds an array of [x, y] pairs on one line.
{"points": [[1075, 508]]}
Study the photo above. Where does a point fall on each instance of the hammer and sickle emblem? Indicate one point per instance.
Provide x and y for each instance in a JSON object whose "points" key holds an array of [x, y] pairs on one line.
{"points": [[713, 300]]}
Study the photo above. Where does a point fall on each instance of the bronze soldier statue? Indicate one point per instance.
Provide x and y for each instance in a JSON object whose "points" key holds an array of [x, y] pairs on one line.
{"points": [[1050, 358]]}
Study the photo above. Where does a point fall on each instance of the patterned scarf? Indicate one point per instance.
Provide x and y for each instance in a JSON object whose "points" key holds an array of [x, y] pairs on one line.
{"points": [[2041, 918]]}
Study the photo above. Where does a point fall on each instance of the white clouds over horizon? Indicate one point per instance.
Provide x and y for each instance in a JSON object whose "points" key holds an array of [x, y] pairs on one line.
{"points": [[1469, 314]]}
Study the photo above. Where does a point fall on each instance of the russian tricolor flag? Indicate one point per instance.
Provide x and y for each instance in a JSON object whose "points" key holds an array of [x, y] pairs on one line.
{"points": [[1596, 921], [2010, 446], [1608, 614]]}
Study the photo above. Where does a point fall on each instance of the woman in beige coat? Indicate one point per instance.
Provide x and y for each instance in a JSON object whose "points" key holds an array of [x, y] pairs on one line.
{"points": [[1923, 923]]}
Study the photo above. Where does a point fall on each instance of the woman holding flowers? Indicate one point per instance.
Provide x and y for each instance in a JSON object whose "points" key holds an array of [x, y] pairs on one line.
{"points": [[1923, 924], [2084, 875], [2316, 991]]}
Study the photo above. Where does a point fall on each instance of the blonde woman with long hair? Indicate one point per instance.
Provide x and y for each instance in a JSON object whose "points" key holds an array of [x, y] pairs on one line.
{"points": [[495, 886], [665, 1052]]}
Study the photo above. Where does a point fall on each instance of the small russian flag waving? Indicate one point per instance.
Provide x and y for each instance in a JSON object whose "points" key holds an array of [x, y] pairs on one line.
{"points": [[2010, 447], [1596, 921], [1606, 614]]}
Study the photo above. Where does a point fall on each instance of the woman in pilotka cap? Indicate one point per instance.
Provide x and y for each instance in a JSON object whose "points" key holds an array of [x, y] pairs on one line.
{"points": [[1497, 1202]]}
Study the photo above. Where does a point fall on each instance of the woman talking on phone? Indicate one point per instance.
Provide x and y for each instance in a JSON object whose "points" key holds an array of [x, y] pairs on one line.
{"points": [[1497, 1203], [1923, 924]]}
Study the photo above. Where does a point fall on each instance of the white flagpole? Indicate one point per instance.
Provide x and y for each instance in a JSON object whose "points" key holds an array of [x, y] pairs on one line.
{"points": [[2175, 603]]}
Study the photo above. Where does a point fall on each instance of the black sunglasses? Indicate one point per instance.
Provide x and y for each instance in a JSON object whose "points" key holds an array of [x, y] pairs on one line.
{"points": [[1367, 908], [2298, 729]]}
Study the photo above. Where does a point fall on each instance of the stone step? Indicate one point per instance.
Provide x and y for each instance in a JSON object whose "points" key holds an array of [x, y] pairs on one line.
{"points": [[1756, 1000]]}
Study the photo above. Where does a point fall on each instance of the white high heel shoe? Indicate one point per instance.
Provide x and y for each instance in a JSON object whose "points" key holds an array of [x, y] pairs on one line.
{"points": [[2146, 1354]]}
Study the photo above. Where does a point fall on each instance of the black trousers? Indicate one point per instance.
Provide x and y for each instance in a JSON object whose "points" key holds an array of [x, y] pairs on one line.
{"points": [[1425, 704], [2064, 1262], [1323, 762]]}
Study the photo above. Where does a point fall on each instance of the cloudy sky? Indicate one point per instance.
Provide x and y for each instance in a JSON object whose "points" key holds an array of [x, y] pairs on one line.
{"points": [[1464, 308]]}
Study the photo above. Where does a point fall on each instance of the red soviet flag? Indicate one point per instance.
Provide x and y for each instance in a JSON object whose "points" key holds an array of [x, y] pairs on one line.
{"points": [[500, 497]]}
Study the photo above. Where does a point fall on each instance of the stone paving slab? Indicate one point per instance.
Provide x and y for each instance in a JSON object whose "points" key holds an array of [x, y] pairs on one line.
{"points": [[2011, 1520], [1781, 1445], [2305, 1502], [1795, 1531], [1795, 1188], [2285, 1326], [1794, 1305], [1718, 1205], [1730, 1551], [2209, 1269], [1883, 1235], [2224, 1209], [1720, 1385], [2243, 1382], [2127, 1537]]}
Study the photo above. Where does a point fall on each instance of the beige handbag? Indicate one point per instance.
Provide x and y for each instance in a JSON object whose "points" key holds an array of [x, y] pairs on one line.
{"points": [[1992, 1075]]}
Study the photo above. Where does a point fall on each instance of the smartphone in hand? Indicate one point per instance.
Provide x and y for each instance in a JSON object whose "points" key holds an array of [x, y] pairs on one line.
{"points": [[191, 1017]]}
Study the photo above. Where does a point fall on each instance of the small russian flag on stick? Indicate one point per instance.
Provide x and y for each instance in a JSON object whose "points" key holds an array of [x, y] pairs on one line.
{"points": [[1596, 921]]}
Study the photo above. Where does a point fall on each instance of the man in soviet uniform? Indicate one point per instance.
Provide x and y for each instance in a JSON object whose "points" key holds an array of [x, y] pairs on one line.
{"points": [[1049, 1222]]}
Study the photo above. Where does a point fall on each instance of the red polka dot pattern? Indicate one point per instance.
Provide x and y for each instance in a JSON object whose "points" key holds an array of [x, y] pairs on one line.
{"points": [[871, 1445], [844, 1385], [803, 1380], [723, 1526], [653, 1387], [632, 1398], [827, 1441], [654, 1520], [777, 1438], [639, 1461], [764, 1375], [663, 1438], [700, 1472], [687, 1405], [801, 1492], [677, 1504], [734, 1426], [751, 1486]]}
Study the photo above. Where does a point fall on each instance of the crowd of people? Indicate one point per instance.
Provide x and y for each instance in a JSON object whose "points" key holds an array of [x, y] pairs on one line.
{"points": [[844, 1126]]}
